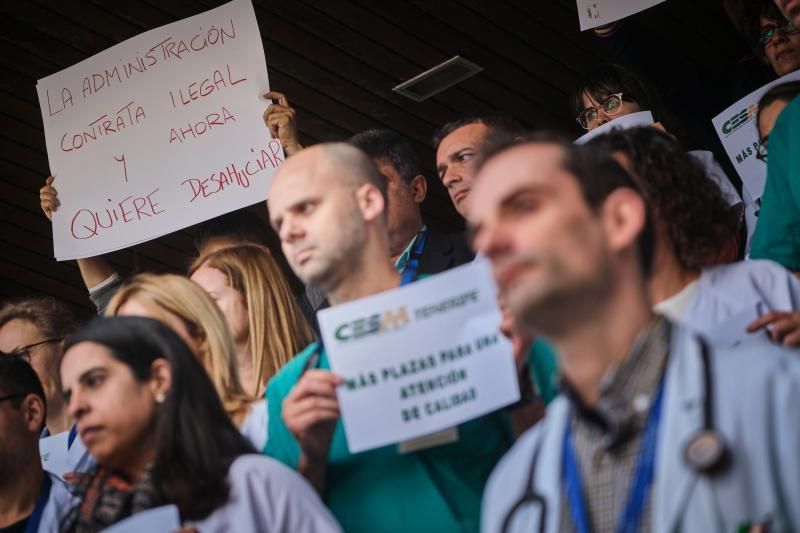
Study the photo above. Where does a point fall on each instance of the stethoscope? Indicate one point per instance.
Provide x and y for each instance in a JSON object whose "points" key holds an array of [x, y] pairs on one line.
{"points": [[706, 452]]}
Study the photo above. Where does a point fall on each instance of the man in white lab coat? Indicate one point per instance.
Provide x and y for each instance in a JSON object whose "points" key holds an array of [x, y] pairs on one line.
{"points": [[657, 431]]}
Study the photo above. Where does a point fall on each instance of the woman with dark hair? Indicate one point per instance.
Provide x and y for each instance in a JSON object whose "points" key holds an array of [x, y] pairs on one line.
{"points": [[609, 92], [690, 218], [150, 416]]}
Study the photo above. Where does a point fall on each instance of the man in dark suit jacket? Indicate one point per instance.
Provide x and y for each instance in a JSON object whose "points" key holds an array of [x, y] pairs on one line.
{"points": [[407, 187]]}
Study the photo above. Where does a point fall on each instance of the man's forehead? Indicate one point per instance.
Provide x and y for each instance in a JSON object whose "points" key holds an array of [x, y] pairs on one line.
{"points": [[531, 162], [467, 135]]}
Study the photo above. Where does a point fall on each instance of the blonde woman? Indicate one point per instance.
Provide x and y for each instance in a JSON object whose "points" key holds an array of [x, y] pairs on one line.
{"points": [[267, 325], [189, 311]]}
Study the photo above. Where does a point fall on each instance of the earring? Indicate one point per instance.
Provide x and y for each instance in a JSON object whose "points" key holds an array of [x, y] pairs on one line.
{"points": [[160, 397]]}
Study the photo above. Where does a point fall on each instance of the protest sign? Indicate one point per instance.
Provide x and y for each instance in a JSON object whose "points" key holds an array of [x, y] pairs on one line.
{"points": [[632, 120], [419, 359], [159, 132], [738, 131], [594, 13]]}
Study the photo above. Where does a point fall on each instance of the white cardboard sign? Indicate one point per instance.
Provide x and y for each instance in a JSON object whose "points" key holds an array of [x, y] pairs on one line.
{"points": [[159, 132], [738, 131], [421, 358], [594, 13]]}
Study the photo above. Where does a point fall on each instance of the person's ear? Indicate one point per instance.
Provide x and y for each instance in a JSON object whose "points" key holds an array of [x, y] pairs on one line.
{"points": [[624, 215], [419, 188], [33, 412], [160, 379], [370, 201]]}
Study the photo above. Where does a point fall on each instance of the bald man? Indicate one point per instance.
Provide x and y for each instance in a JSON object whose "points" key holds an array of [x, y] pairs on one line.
{"points": [[327, 204]]}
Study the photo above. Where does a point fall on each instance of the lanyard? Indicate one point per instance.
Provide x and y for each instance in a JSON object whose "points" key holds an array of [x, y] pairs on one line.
{"points": [[642, 480], [412, 265], [41, 503], [73, 433]]}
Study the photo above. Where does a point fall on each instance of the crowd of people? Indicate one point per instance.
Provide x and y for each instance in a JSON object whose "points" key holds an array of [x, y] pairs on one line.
{"points": [[654, 323]]}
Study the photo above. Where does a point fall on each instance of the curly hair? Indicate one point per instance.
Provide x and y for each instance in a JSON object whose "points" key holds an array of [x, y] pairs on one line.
{"points": [[682, 197]]}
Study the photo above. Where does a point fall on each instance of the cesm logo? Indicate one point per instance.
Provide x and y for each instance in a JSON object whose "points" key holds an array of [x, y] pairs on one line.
{"points": [[378, 323], [739, 119]]}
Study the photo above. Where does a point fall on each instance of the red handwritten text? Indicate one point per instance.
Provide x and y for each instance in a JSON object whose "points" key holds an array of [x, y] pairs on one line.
{"points": [[88, 223], [66, 98], [232, 175], [216, 82], [128, 116], [193, 131]]}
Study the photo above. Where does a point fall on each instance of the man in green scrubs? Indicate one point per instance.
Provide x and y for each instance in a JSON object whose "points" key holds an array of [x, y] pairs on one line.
{"points": [[777, 235], [327, 205]]}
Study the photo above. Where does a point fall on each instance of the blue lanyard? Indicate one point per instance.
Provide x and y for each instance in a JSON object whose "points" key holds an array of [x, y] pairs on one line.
{"points": [[41, 503], [73, 433], [412, 266], [642, 480]]}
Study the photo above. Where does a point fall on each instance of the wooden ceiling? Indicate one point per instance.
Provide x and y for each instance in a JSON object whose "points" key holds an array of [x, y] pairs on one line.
{"points": [[337, 61]]}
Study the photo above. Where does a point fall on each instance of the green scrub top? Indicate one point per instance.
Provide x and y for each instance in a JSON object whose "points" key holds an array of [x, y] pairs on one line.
{"points": [[434, 490], [544, 367], [777, 234]]}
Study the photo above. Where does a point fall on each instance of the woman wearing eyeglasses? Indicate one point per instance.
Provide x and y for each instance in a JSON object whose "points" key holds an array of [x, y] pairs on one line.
{"points": [[149, 414], [775, 39], [610, 91]]}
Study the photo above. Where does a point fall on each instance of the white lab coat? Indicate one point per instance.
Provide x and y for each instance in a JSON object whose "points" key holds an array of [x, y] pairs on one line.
{"points": [[730, 297], [756, 389]]}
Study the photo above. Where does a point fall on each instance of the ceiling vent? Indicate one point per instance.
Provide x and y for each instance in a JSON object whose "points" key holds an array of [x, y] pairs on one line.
{"points": [[437, 79]]}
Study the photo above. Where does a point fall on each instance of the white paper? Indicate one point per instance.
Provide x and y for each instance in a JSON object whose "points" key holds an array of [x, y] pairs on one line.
{"points": [[594, 13], [633, 120], [738, 131], [164, 519], [54, 453], [159, 132], [370, 341]]}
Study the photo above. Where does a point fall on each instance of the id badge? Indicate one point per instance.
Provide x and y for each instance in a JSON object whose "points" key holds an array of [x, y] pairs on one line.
{"points": [[440, 438]]}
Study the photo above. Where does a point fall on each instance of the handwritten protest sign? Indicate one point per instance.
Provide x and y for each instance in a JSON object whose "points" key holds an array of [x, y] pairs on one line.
{"points": [[632, 120], [738, 131], [159, 132], [419, 359], [594, 13]]}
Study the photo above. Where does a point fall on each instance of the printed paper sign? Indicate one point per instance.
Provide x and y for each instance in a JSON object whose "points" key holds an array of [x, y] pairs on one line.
{"points": [[738, 131], [633, 120], [54, 453], [421, 358], [594, 13], [159, 132], [164, 519]]}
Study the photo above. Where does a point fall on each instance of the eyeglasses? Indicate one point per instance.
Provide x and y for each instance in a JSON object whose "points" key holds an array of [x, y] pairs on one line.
{"points": [[24, 352], [768, 32], [12, 397], [761, 153], [610, 106]]}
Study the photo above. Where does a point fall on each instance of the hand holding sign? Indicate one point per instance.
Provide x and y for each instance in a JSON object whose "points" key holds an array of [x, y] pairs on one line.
{"points": [[311, 410], [48, 198], [280, 119]]}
